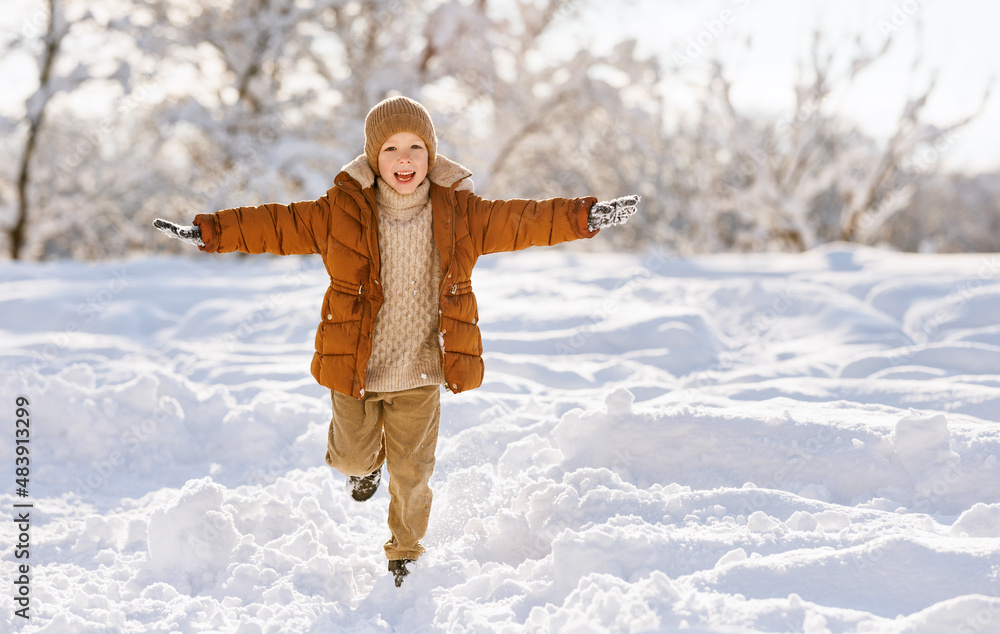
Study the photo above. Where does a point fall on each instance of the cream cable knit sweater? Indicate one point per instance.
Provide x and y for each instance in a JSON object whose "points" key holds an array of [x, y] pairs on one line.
{"points": [[405, 346]]}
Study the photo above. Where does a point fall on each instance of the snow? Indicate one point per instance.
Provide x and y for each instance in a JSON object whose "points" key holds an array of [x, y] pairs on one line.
{"points": [[773, 443]]}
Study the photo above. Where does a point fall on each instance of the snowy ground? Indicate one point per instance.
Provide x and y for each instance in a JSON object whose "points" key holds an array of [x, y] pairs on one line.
{"points": [[775, 443]]}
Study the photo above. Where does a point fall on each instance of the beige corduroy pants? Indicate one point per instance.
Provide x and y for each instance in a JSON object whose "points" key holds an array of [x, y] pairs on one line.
{"points": [[401, 430]]}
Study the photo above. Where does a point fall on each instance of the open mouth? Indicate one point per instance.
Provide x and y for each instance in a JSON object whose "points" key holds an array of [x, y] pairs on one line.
{"points": [[405, 177]]}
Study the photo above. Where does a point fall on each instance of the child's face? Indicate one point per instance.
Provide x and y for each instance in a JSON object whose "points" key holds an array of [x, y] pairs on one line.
{"points": [[402, 162]]}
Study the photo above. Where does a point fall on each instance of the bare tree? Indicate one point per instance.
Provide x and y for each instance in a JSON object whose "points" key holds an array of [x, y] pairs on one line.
{"points": [[274, 95], [56, 30], [792, 182], [889, 186], [45, 35]]}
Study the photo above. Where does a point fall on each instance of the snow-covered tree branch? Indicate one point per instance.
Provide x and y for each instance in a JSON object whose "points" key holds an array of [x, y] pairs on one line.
{"points": [[208, 105]]}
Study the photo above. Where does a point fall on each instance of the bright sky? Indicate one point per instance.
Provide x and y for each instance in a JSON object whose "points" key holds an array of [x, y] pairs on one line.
{"points": [[958, 39]]}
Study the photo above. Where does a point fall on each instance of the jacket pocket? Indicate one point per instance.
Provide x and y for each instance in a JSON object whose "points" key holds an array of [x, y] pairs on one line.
{"points": [[343, 302], [459, 303]]}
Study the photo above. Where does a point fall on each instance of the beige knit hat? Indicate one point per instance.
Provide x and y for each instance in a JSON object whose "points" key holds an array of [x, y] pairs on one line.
{"points": [[398, 114]]}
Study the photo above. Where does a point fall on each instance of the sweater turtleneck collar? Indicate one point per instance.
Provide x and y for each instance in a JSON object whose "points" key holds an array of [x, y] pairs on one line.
{"points": [[401, 206]]}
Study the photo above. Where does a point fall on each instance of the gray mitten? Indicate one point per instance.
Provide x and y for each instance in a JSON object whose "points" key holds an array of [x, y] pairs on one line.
{"points": [[614, 212], [190, 234]]}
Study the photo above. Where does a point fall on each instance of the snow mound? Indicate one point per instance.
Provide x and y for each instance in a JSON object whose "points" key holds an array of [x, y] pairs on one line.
{"points": [[970, 613], [191, 540], [982, 520], [858, 577], [923, 443]]}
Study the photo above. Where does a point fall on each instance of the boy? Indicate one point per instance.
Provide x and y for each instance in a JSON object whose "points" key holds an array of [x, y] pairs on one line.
{"points": [[399, 234]]}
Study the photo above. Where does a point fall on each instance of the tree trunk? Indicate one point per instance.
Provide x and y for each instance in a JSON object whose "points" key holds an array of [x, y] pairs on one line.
{"points": [[16, 234]]}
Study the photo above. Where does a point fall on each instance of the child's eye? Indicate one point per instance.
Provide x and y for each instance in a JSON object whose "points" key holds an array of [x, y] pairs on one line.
{"points": [[416, 146], [389, 149]]}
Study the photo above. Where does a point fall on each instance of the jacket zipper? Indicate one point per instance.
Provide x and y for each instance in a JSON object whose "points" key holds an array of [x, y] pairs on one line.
{"points": [[373, 248], [444, 281]]}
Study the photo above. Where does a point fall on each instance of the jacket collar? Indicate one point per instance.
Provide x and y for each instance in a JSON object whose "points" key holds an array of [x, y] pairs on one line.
{"points": [[446, 173]]}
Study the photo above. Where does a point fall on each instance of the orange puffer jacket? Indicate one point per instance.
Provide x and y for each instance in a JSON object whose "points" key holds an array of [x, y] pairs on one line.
{"points": [[342, 226]]}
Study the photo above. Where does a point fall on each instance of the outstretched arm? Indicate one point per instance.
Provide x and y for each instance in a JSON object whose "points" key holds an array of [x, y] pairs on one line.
{"points": [[516, 224], [512, 225], [299, 228]]}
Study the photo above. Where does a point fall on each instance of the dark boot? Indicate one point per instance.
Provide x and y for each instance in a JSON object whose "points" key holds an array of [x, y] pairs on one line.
{"points": [[364, 487], [398, 569]]}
